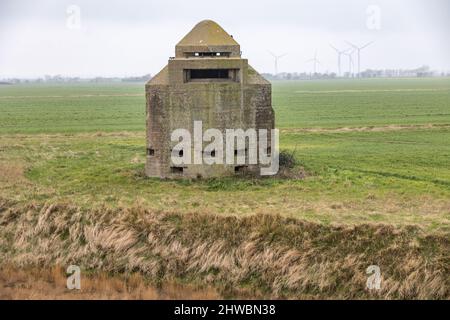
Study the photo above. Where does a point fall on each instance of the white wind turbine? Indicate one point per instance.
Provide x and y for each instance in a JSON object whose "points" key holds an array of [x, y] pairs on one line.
{"points": [[358, 50], [339, 55], [315, 61], [276, 58], [350, 60]]}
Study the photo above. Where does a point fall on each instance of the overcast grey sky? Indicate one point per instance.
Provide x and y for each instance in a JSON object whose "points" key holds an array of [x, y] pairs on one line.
{"points": [[125, 38]]}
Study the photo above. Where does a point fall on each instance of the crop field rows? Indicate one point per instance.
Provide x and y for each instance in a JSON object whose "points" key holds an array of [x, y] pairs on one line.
{"points": [[374, 152], [371, 146]]}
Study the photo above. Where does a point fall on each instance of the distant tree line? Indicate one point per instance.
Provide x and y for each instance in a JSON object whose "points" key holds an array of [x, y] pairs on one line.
{"points": [[62, 79], [298, 76], [420, 72]]}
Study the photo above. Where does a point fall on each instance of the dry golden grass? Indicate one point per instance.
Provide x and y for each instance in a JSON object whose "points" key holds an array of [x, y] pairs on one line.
{"points": [[303, 195], [11, 173], [264, 255], [366, 129], [43, 283]]}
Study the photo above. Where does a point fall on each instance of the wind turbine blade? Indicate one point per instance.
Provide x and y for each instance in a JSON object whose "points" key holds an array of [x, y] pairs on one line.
{"points": [[351, 44], [272, 54], [366, 45], [346, 51], [283, 55], [334, 48]]}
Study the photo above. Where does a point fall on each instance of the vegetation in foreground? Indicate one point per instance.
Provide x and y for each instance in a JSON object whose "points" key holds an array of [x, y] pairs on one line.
{"points": [[377, 191], [261, 255], [39, 283], [351, 177]]}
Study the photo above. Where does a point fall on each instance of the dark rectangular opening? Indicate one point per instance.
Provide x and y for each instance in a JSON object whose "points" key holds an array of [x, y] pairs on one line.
{"points": [[240, 169], [209, 74], [150, 152], [176, 169]]}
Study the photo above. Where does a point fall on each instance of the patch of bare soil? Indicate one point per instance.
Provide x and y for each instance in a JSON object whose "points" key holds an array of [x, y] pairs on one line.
{"points": [[371, 90], [11, 172], [50, 284], [367, 129]]}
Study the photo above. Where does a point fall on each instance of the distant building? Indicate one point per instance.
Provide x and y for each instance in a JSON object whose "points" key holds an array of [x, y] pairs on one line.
{"points": [[206, 81]]}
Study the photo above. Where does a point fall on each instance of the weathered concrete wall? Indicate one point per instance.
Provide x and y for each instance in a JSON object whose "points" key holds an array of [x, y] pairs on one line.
{"points": [[229, 105], [174, 103]]}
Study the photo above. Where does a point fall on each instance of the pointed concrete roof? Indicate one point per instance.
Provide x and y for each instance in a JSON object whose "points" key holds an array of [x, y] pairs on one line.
{"points": [[207, 33]]}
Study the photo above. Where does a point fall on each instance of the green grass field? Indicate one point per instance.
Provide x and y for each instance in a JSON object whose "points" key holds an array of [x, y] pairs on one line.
{"points": [[374, 150], [376, 155], [376, 102], [298, 104]]}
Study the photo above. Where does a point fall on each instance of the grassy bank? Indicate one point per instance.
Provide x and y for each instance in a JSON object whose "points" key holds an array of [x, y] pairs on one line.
{"points": [[376, 191], [353, 177], [267, 255]]}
